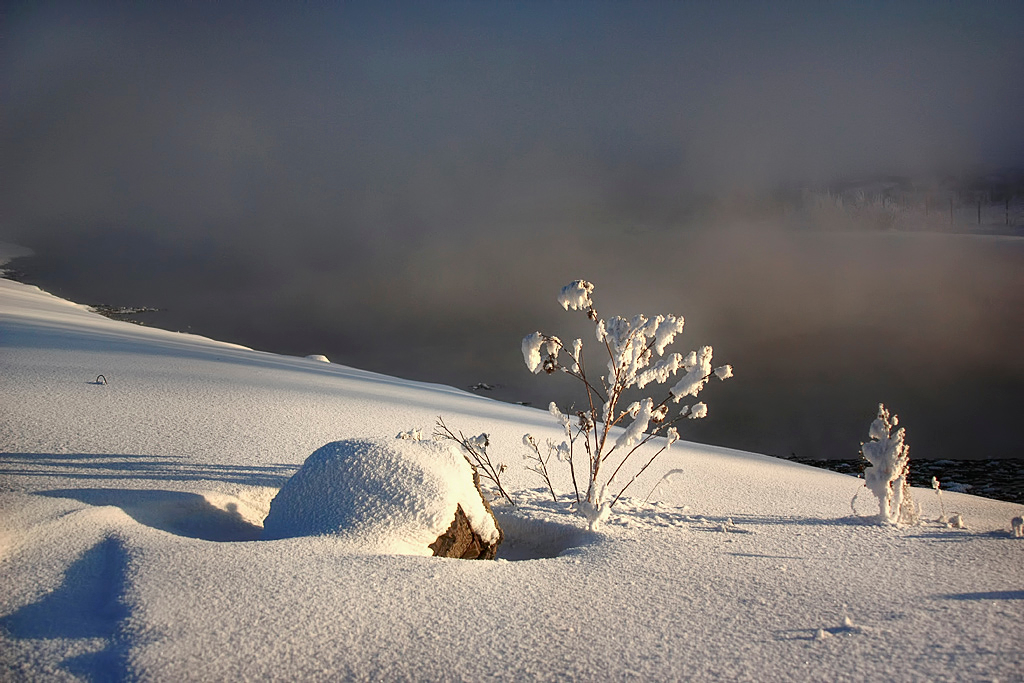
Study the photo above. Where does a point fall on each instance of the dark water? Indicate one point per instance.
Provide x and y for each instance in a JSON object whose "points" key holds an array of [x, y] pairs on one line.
{"points": [[820, 327], [998, 479]]}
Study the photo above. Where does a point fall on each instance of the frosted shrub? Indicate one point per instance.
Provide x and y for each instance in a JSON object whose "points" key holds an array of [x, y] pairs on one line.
{"points": [[938, 492], [595, 457], [888, 474]]}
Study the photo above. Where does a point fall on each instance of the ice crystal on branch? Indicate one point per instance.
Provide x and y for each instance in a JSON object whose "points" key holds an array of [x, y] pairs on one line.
{"points": [[631, 344]]}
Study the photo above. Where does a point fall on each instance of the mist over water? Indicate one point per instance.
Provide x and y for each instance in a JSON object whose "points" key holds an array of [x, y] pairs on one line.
{"points": [[820, 327], [405, 189]]}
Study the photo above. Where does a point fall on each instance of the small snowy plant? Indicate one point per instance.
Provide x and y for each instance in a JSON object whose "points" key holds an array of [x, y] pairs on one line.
{"points": [[938, 492], [888, 473], [594, 455]]}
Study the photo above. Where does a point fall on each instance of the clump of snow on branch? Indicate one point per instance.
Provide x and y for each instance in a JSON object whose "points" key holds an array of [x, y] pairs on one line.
{"points": [[698, 411], [632, 345], [576, 295], [531, 351], [698, 370], [888, 473]]}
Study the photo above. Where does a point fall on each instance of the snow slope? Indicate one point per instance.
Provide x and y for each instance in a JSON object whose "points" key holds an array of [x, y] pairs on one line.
{"points": [[131, 511]]}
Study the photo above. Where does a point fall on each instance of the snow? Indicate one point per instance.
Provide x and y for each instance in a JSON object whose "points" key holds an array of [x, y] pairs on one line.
{"points": [[132, 515], [576, 295], [665, 331], [887, 471], [379, 495], [642, 413], [531, 351], [698, 369]]}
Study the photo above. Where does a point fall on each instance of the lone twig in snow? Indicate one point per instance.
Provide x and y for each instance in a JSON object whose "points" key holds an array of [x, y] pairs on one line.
{"points": [[474, 449]]}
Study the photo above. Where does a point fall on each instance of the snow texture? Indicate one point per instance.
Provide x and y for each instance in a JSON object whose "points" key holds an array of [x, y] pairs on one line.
{"points": [[698, 411], [642, 414], [379, 495], [531, 351], [698, 369], [888, 459], [576, 295], [132, 515]]}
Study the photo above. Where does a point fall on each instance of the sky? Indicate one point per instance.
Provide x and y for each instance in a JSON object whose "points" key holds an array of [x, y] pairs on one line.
{"points": [[410, 118], [404, 186]]}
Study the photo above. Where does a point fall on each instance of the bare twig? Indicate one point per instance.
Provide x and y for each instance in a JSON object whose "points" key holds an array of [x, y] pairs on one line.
{"points": [[475, 452], [541, 466]]}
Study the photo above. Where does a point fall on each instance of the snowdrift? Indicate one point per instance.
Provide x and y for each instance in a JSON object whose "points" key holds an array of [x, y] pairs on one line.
{"points": [[379, 495]]}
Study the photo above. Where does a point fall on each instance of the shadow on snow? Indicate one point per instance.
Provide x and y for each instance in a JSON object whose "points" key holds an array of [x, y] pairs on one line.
{"points": [[176, 512], [151, 467], [89, 604]]}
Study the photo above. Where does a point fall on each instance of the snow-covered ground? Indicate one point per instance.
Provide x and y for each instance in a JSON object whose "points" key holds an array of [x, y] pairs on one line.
{"points": [[131, 512]]}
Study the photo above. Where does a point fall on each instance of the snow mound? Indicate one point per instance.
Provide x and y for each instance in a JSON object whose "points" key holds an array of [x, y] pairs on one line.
{"points": [[382, 495]]}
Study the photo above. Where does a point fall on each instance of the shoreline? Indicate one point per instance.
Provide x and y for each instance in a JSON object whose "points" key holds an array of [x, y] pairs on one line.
{"points": [[817, 442], [998, 479]]}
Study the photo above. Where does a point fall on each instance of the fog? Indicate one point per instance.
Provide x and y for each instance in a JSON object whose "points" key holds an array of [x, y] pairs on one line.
{"points": [[405, 189]]}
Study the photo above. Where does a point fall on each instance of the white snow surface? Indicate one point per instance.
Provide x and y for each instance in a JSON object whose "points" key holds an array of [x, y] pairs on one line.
{"points": [[131, 518], [379, 495]]}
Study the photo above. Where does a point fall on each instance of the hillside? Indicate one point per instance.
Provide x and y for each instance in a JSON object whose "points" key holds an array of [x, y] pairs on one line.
{"points": [[132, 512]]}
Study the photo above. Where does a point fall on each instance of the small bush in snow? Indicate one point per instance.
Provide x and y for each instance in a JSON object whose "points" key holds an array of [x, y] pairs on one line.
{"points": [[888, 473], [631, 345], [938, 492]]}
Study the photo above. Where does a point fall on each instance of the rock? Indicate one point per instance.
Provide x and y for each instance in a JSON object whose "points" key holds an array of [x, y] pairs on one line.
{"points": [[387, 495], [461, 541]]}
